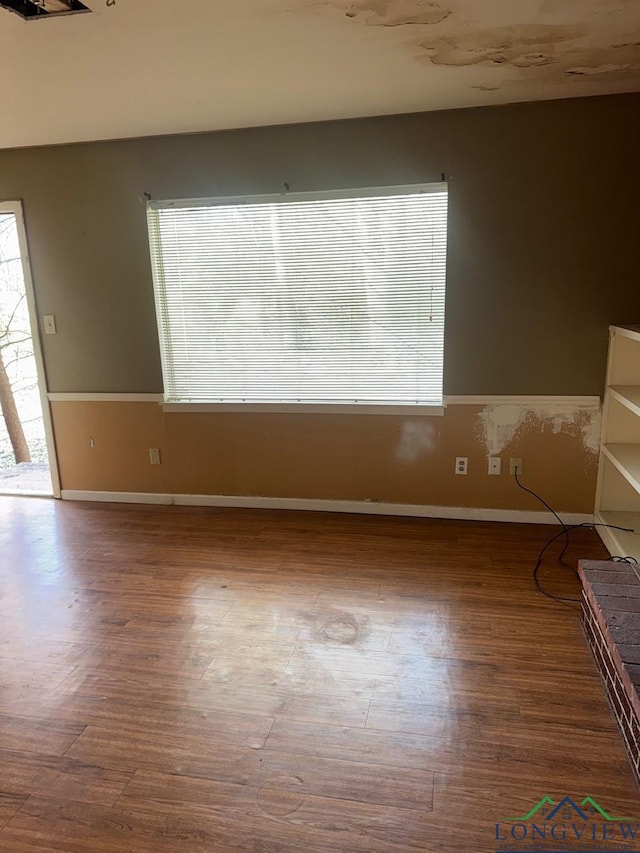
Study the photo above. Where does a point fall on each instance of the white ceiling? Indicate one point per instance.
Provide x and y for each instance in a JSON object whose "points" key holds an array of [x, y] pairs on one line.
{"points": [[145, 67]]}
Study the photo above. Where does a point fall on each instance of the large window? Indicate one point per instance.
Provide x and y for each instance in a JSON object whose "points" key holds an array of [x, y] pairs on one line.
{"points": [[325, 299]]}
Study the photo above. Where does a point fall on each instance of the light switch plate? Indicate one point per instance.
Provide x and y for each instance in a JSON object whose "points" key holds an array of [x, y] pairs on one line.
{"points": [[50, 324]]}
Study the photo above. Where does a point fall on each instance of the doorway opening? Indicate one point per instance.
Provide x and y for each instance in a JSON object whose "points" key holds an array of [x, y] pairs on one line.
{"points": [[27, 458]]}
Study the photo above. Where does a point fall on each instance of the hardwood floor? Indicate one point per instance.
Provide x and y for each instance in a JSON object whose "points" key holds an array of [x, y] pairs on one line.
{"points": [[177, 679]]}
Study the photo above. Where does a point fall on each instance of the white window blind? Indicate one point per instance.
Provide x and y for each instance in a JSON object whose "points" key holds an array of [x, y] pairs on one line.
{"points": [[303, 299]]}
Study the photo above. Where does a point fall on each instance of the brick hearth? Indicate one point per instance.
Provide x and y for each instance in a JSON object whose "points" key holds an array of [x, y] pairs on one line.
{"points": [[611, 621]]}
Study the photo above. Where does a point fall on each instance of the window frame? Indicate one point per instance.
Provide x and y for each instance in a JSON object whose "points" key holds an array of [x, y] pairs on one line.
{"points": [[285, 197]]}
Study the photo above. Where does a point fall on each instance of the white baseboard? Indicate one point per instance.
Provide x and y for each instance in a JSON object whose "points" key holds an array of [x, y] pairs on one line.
{"points": [[321, 505]]}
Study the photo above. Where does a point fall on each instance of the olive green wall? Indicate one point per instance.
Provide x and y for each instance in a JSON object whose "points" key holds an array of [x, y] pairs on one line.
{"points": [[542, 249]]}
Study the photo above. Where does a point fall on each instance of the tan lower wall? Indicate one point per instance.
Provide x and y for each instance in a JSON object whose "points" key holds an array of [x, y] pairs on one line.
{"points": [[388, 458]]}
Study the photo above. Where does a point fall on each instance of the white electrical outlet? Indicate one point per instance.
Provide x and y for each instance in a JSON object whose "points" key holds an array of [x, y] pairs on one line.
{"points": [[154, 455], [495, 465], [515, 464], [462, 463]]}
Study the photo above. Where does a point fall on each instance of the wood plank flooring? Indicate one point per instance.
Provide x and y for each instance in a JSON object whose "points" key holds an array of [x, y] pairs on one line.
{"points": [[177, 679]]}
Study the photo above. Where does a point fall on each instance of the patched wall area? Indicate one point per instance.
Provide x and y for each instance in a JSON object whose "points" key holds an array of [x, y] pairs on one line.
{"points": [[503, 425]]}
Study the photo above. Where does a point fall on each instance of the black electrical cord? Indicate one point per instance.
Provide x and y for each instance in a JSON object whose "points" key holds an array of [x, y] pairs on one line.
{"points": [[564, 532], [566, 529], [557, 517], [629, 561]]}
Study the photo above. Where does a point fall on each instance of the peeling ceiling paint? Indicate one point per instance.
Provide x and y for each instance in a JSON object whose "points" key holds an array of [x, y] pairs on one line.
{"points": [[396, 13], [571, 51], [589, 40], [523, 46]]}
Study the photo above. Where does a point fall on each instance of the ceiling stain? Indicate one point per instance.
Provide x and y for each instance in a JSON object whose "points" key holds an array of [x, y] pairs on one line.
{"points": [[397, 13], [565, 41], [616, 60], [521, 46]]}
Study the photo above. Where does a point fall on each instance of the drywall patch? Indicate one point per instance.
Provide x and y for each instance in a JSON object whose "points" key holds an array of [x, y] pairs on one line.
{"points": [[500, 423], [416, 439], [397, 13], [520, 45]]}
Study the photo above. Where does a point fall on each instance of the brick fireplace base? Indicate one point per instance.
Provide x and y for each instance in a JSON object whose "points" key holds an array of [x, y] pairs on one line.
{"points": [[611, 621]]}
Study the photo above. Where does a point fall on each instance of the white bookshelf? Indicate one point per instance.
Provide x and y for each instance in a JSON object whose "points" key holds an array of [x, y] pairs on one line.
{"points": [[618, 491]]}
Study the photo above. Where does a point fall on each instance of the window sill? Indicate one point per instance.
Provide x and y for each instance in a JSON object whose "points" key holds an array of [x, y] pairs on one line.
{"points": [[308, 409]]}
